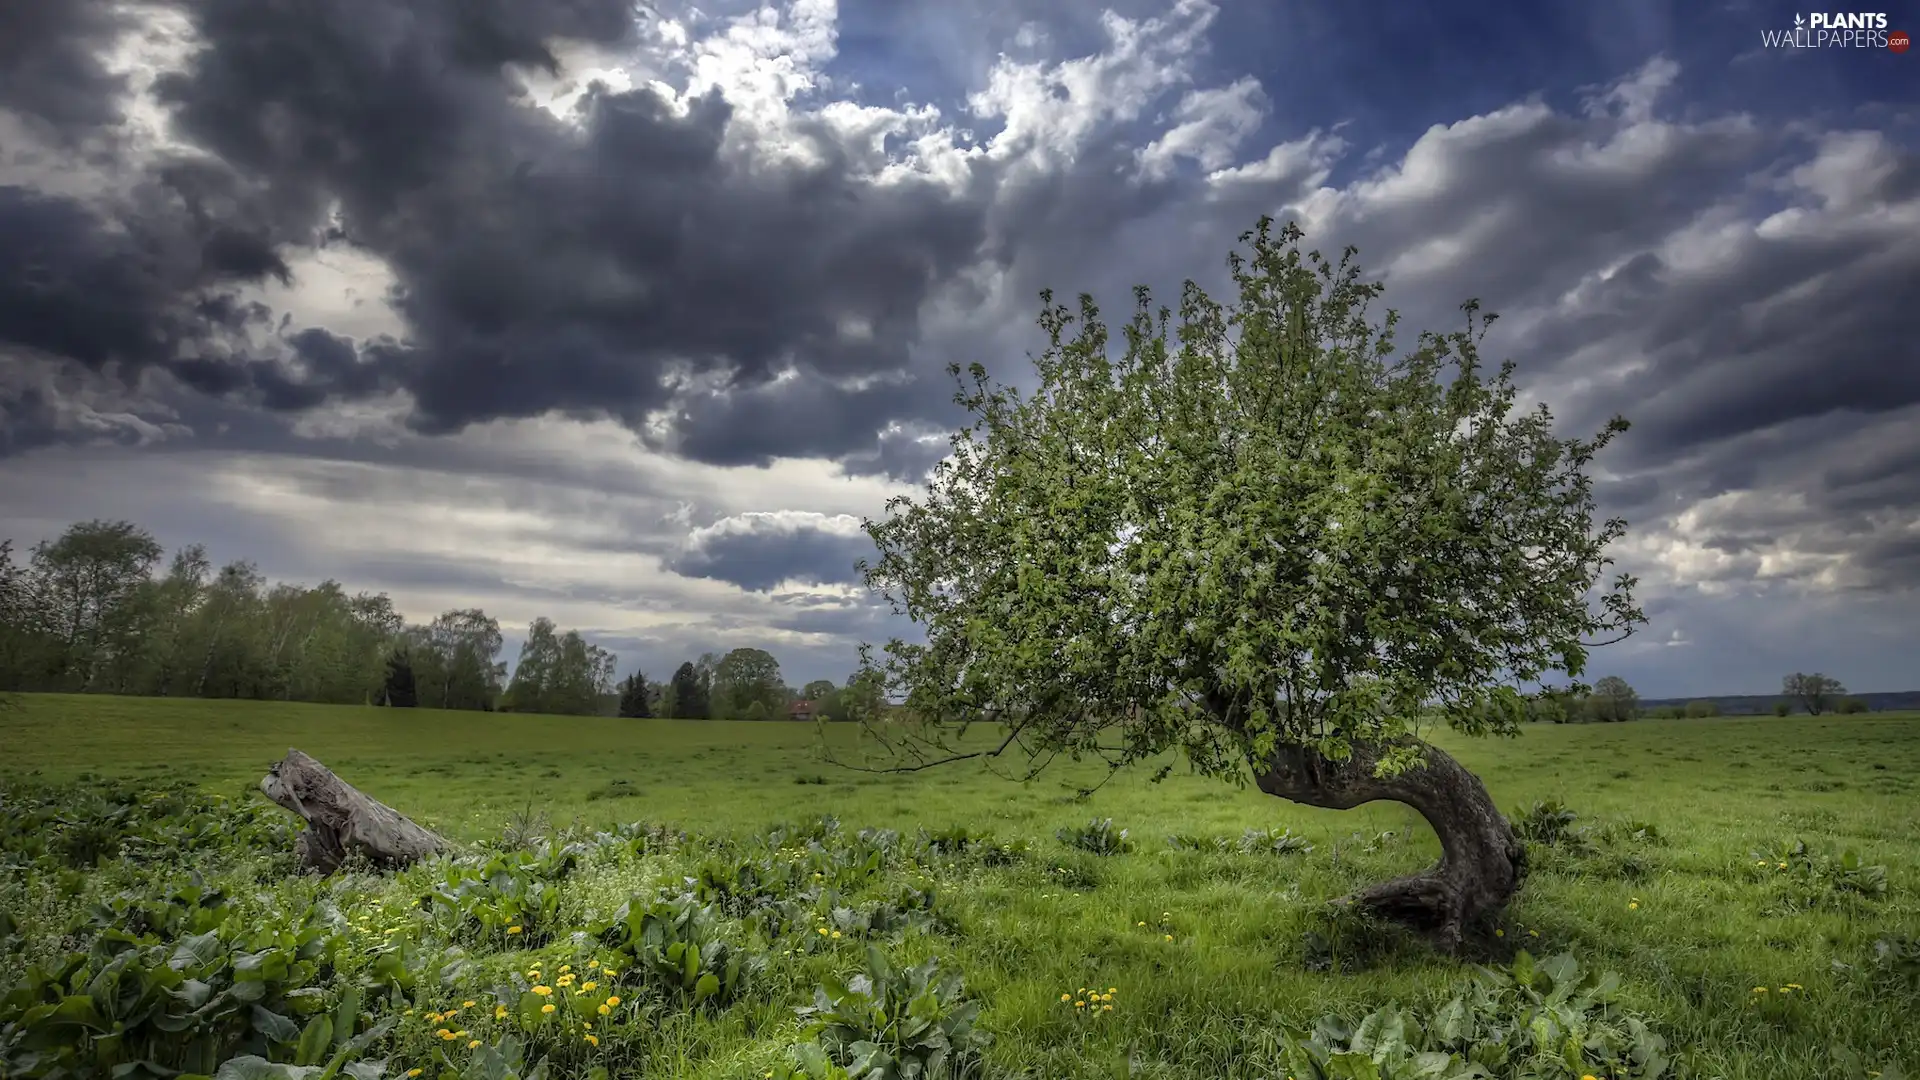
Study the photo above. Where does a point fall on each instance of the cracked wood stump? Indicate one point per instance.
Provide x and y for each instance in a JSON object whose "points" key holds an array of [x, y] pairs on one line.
{"points": [[342, 820]]}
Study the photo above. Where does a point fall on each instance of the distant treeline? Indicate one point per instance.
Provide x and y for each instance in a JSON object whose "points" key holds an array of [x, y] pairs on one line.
{"points": [[1612, 699], [92, 612], [1764, 704]]}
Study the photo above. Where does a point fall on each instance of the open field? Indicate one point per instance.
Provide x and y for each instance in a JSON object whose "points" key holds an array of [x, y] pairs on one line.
{"points": [[1212, 952]]}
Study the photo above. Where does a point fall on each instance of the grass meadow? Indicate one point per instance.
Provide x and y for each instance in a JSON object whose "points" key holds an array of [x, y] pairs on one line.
{"points": [[1708, 859]]}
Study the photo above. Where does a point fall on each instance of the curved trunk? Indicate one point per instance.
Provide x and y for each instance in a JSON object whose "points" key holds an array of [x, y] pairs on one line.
{"points": [[1481, 864]]}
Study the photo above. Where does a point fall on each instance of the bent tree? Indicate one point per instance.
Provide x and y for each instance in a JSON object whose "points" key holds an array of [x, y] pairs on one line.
{"points": [[1260, 539]]}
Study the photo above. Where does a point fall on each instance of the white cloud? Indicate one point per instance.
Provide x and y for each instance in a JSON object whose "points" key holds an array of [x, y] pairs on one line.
{"points": [[1209, 126], [1050, 110]]}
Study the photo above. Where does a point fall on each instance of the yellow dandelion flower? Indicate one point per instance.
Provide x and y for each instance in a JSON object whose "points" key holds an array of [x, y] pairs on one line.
{"points": [[1169, 937], [1113, 989], [409, 1012], [1795, 986], [1106, 1008], [1533, 933], [614, 1000], [588, 985], [1633, 905], [610, 973], [564, 980], [499, 1012], [1142, 922], [823, 931], [592, 1040], [447, 1036], [1759, 989], [461, 1034], [1066, 997], [593, 965], [413, 1072], [1783, 866], [514, 929], [547, 1008], [1499, 933], [543, 991], [473, 1044], [603, 1010], [1079, 1004], [1786, 990], [564, 968], [836, 934]]}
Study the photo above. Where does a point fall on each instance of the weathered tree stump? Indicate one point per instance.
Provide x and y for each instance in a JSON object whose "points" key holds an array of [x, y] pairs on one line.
{"points": [[342, 820]]}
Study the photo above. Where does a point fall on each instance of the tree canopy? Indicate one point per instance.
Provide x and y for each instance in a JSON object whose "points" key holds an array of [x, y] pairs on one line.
{"points": [[559, 673], [687, 692], [747, 686], [1613, 700], [1816, 692], [636, 697], [1259, 527]]}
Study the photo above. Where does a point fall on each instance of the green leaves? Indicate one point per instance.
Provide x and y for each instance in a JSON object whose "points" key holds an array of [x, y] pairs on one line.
{"points": [[275, 1027], [148, 1008], [479, 899], [891, 1023], [315, 1042], [196, 951], [1259, 526], [1804, 879], [1545, 1018], [673, 941], [1098, 837]]}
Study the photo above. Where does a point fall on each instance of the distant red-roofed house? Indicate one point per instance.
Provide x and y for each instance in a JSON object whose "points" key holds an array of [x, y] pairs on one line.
{"points": [[801, 710]]}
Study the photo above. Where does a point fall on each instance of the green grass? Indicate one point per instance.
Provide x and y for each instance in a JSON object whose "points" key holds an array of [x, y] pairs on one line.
{"points": [[1709, 925]]}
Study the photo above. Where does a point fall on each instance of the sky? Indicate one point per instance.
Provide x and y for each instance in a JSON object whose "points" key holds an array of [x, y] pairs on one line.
{"points": [[628, 316]]}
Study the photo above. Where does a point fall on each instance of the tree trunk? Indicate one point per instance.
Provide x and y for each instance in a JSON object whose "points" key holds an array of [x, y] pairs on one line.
{"points": [[343, 820], [1481, 864]]}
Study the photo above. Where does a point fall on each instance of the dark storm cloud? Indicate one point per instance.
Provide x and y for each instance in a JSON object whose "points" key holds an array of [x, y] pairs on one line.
{"points": [[1799, 327], [1778, 393], [540, 267], [28, 419], [760, 551], [154, 282], [862, 618], [754, 426], [51, 64]]}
